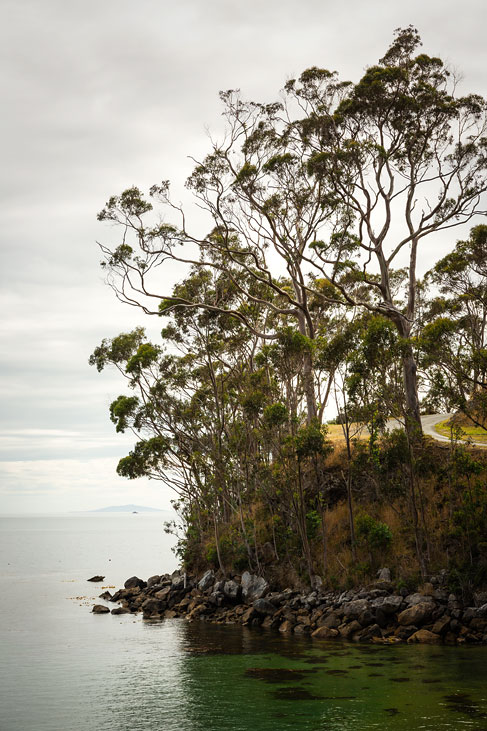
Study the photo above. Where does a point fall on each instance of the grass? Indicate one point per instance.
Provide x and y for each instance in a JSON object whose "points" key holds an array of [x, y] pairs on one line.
{"points": [[335, 435], [474, 433]]}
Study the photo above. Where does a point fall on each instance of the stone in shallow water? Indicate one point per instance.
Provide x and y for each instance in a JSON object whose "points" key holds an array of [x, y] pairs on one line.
{"points": [[96, 578], [100, 609]]}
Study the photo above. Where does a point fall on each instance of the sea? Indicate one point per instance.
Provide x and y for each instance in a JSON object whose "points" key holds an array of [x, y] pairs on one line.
{"points": [[63, 668]]}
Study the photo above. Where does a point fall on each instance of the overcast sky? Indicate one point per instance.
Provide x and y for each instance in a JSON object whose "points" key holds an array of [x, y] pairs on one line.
{"points": [[98, 96]]}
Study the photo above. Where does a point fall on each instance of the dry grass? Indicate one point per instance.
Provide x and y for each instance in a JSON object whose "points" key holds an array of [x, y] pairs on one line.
{"points": [[335, 434]]}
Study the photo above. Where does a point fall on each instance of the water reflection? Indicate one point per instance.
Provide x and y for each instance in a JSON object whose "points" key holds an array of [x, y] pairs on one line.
{"points": [[200, 677]]}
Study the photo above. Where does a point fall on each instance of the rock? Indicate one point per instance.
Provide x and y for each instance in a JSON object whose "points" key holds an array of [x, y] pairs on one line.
{"points": [[482, 611], [441, 625], [106, 596], [232, 591], [369, 632], [425, 637], [177, 583], [153, 581], [163, 594], [206, 581], [253, 587], [384, 574], [170, 614], [262, 606], [325, 633], [469, 614], [366, 618], [152, 606], [121, 610], [301, 629], [317, 582], [417, 614], [353, 610], [347, 630], [417, 598], [480, 598], [403, 633], [478, 624], [96, 578], [248, 615], [100, 609], [135, 583], [332, 621], [286, 627], [391, 604]]}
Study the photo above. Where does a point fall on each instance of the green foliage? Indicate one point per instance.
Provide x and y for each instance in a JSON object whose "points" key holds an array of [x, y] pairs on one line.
{"points": [[310, 441], [377, 535]]}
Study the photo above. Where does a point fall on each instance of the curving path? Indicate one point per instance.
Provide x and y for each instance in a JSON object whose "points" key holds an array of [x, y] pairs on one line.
{"points": [[429, 422]]}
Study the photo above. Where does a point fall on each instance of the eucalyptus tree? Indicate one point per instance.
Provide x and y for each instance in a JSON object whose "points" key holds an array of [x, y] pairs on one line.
{"points": [[407, 159], [454, 338], [334, 183]]}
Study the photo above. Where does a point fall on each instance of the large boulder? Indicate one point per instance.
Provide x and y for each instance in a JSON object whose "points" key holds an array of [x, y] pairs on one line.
{"points": [[417, 614], [232, 590], [388, 604], [353, 610], [206, 581], [253, 587], [135, 583], [262, 606]]}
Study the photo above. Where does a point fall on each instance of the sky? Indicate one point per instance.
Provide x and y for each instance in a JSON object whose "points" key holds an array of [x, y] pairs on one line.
{"points": [[99, 96]]}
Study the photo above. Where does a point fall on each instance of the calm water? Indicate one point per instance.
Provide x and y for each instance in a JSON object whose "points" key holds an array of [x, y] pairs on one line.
{"points": [[63, 668]]}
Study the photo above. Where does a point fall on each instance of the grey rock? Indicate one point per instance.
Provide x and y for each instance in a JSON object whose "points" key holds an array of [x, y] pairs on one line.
{"points": [[384, 574], [253, 587], [134, 582], [480, 598], [263, 606], [354, 609], [206, 581], [470, 613], [482, 611], [106, 596], [121, 610], [96, 578], [177, 583], [417, 598], [232, 590], [153, 581]]}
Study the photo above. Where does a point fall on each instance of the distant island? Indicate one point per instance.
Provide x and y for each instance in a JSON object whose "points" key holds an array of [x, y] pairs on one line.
{"points": [[127, 509]]}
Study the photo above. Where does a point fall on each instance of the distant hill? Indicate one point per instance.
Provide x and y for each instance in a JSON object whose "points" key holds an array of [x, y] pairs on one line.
{"points": [[127, 509]]}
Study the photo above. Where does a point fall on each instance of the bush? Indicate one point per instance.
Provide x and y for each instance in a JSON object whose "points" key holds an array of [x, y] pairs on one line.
{"points": [[377, 535]]}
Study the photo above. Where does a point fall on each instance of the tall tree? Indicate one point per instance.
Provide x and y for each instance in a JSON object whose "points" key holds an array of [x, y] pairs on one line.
{"points": [[332, 184]]}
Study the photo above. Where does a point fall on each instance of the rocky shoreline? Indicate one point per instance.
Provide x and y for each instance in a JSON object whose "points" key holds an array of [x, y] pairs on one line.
{"points": [[377, 613]]}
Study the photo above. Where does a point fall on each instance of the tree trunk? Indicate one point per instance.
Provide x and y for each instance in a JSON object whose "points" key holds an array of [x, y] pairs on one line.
{"points": [[411, 392]]}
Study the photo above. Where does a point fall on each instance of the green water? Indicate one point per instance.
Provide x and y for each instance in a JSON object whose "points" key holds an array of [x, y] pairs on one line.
{"points": [[240, 679]]}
